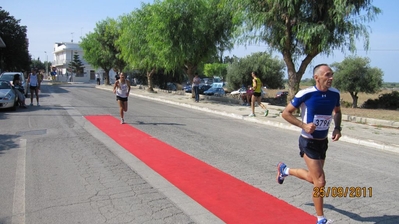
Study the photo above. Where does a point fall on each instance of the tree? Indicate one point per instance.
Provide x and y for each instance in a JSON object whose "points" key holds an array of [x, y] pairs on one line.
{"points": [[188, 33], [136, 43], [300, 30], [269, 69], [354, 75], [76, 66], [15, 56], [100, 49], [215, 69]]}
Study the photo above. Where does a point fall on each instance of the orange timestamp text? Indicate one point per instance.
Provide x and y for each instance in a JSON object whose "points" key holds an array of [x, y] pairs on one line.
{"points": [[343, 192]]}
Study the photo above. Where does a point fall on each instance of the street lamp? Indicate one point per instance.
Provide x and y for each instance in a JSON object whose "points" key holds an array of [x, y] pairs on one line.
{"points": [[46, 64]]}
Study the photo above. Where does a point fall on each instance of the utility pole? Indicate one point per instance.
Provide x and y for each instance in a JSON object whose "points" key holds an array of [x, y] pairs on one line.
{"points": [[46, 64]]}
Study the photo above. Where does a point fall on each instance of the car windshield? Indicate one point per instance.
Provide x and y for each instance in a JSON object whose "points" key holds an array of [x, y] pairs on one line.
{"points": [[7, 77], [5, 85]]}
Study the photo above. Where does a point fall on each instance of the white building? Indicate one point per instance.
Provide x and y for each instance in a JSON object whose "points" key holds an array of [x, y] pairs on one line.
{"points": [[63, 55]]}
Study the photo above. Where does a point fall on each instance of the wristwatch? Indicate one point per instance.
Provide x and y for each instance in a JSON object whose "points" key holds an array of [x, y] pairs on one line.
{"points": [[338, 128]]}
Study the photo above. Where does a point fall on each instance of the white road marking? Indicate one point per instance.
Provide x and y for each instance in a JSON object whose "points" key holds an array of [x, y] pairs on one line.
{"points": [[18, 209]]}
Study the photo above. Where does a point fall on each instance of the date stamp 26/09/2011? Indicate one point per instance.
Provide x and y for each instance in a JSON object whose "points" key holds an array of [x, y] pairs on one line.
{"points": [[343, 192]]}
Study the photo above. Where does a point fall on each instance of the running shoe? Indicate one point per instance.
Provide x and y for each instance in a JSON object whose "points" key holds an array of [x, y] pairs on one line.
{"points": [[266, 113], [325, 221], [280, 172], [122, 121], [251, 115]]}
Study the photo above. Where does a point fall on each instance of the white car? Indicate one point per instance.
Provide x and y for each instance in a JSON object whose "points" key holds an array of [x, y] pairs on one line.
{"points": [[8, 96], [9, 76], [241, 90]]}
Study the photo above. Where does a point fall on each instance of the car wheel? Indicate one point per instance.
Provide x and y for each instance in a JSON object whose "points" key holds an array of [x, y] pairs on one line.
{"points": [[14, 107]]}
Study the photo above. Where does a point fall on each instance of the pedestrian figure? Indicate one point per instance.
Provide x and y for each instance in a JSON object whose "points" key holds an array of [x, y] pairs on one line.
{"points": [[195, 86], [34, 86], [257, 95], [53, 73], [122, 90], [249, 94], [317, 105], [98, 78], [16, 82]]}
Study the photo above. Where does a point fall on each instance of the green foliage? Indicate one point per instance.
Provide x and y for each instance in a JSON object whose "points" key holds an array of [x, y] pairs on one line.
{"points": [[269, 69], [390, 85], [354, 75], [308, 82], [388, 101], [188, 33], [137, 46], [36, 63], [300, 30], [346, 104], [15, 56], [215, 69], [76, 65], [100, 48]]}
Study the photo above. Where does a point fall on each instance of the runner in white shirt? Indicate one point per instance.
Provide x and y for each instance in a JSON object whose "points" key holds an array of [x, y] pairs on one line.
{"points": [[34, 86], [122, 90]]}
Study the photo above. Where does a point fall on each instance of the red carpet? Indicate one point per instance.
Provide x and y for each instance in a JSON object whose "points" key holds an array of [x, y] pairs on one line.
{"points": [[229, 198]]}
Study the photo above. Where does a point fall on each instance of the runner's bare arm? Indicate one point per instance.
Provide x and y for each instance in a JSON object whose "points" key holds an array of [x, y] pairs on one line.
{"points": [[288, 115]]}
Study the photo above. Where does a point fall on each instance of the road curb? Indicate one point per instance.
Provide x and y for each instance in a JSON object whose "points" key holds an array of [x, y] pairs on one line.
{"points": [[357, 141]]}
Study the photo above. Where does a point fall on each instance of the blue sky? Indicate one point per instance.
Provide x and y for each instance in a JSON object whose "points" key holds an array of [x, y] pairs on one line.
{"points": [[51, 21]]}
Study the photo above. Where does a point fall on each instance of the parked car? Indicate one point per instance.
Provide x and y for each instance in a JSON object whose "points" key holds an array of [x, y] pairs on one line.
{"points": [[215, 91], [203, 88], [187, 88], [9, 76], [8, 95], [241, 90], [171, 86], [281, 94]]}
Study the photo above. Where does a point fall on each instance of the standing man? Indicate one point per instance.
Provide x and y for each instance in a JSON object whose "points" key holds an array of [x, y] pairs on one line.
{"points": [[257, 94], [122, 90], [98, 78], [34, 86], [53, 73], [317, 105], [196, 82]]}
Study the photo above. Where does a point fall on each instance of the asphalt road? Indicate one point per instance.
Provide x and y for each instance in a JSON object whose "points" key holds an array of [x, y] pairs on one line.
{"points": [[55, 168]]}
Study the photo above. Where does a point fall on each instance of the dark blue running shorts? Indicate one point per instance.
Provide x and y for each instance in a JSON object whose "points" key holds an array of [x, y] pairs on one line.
{"points": [[314, 149]]}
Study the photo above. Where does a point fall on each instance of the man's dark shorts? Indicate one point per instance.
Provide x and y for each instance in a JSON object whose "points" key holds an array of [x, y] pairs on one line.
{"points": [[314, 149], [33, 87], [257, 94], [123, 99]]}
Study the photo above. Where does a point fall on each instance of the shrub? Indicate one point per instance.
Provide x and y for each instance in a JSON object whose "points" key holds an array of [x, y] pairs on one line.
{"points": [[346, 104], [388, 101]]}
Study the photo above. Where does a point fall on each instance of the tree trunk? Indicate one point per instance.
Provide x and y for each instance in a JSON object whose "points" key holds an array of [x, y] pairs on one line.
{"points": [[294, 77], [354, 99], [190, 70], [149, 80]]}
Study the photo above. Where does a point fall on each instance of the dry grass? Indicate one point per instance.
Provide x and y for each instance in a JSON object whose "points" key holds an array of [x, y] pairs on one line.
{"points": [[392, 115]]}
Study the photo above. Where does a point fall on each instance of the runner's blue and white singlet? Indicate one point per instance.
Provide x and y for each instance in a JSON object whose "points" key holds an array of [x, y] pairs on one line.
{"points": [[317, 106]]}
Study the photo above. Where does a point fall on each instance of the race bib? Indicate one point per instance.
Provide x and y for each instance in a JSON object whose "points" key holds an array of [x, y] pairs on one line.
{"points": [[322, 122]]}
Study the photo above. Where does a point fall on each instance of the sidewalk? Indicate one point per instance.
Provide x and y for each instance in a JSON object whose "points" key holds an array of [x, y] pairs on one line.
{"points": [[379, 134]]}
